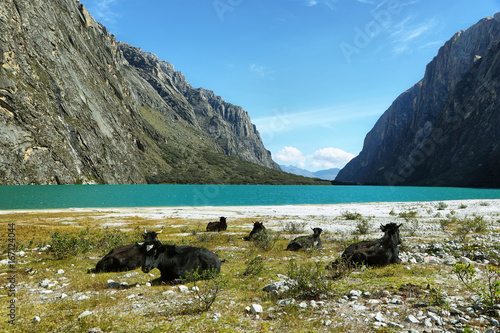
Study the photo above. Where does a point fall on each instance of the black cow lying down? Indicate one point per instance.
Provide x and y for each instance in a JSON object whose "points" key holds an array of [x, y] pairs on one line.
{"points": [[257, 227], [217, 226], [179, 262], [126, 257], [306, 242], [379, 252]]}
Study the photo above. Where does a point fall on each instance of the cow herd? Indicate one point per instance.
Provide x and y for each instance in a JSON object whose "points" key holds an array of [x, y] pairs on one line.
{"points": [[176, 263]]}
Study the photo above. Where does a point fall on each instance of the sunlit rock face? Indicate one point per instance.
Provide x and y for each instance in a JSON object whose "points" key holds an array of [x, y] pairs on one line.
{"points": [[77, 107]]}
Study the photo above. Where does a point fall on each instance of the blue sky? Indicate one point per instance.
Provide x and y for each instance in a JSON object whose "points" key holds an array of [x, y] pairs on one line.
{"points": [[314, 75]]}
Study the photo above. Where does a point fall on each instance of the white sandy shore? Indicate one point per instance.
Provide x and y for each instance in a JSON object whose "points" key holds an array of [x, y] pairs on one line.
{"points": [[327, 217]]}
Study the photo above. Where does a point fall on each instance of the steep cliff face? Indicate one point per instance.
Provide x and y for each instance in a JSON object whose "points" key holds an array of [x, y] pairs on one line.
{"points": [[408, 142], [76, 106], [228, 125]]}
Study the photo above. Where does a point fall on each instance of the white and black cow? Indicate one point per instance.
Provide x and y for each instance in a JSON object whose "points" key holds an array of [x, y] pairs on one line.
{"points": [[306, 242], [126, 257], [179, 262], [379, 252]]}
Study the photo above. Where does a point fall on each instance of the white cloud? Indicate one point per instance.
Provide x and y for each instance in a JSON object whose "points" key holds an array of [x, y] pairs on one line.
{"points": [[284, 121], [406, 33], [331, 158], [291, 155], [326, 158], [259, 70]]}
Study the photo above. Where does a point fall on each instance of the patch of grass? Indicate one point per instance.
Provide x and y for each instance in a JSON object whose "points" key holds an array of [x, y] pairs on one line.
{"points": [[351, 215]]}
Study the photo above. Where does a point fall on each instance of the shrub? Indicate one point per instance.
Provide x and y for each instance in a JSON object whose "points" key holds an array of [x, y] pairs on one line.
{"points": [[408, 215], [351, 216], [442, 206], [412, 226], [308, 280], [486, 286], [362, 227], [265, 240], [63, 246], [294, 227], [254, 267], [206, 288]]}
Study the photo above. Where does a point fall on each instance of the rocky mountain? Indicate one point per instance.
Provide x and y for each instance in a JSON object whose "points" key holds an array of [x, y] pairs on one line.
{"points": [[445, 130], [327, 174], [77, 106]]}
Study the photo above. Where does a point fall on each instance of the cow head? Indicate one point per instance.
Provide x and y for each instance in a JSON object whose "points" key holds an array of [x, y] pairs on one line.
{"points": [[150, 235], [151, 251], [317, 231], [391, 231]]}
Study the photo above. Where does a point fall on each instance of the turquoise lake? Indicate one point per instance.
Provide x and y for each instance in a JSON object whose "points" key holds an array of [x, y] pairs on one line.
{"points": [[80, 196]]}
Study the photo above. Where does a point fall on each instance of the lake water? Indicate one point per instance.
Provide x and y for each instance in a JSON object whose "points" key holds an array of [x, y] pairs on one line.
{"points": [[73, 196]]}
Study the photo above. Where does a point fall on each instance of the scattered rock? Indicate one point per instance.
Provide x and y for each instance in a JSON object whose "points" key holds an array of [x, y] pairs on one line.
{"points": [[84, 314], [36, 319]]}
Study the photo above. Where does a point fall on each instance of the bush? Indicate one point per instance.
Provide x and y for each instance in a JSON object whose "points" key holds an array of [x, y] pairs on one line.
{"points": [[206, 288], [486, 286], [254, 267], [308, 280], [408, 215], [265, 240], [362, 227], [294, 227], [63, 246], [442, 206], [351, 216]]}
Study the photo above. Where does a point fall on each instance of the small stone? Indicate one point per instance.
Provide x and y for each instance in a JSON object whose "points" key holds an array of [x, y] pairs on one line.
{"points": [[94, 330], [303, 305], [355, 293], [256, 308], [85, 314], [36, 319], [379, 317], [412, 319], [428, 322], [183, 289], [148, 284], [82, 297], [328, 323], [465, 260], [60, 271], [393, 324], [285, 302]]}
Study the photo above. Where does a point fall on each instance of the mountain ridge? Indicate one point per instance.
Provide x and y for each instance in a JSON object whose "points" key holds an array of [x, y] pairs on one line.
{"points": [[77, 106], [403, 142]]}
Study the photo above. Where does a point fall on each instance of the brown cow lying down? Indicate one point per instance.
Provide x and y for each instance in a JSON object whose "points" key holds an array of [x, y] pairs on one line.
{"points": [[379, 252], [217, 226], [257, 227]]}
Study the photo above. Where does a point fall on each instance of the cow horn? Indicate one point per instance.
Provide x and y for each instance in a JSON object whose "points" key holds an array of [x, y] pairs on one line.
{"points": [[149, 247], [159, 232], [145, 230], [140, 244]]}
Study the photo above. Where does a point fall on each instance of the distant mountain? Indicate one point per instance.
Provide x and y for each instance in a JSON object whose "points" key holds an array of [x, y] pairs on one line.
{"points": [[328, 174], [445, 130], [76, 106]]}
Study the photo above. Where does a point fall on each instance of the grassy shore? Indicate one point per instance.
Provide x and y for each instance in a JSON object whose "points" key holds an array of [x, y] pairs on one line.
{"points": [[54, 293]]}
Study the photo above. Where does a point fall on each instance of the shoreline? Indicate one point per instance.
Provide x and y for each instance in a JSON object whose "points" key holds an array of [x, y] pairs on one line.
{"points": [[326, 216]]}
